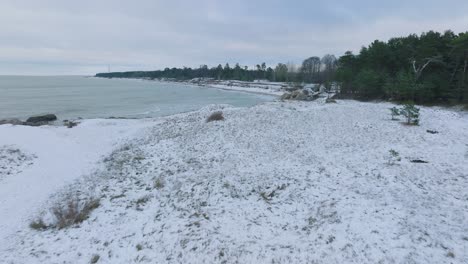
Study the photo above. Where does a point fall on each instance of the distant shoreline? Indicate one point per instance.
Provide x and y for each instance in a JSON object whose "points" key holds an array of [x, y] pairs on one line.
{"points": [[263, 88]]}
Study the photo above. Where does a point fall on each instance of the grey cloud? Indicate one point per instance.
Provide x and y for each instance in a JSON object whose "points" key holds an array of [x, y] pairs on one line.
{"points": [[82, 37]]}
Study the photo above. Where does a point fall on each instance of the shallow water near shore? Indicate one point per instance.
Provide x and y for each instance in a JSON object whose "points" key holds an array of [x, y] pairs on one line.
{"points": [[70, 97]]}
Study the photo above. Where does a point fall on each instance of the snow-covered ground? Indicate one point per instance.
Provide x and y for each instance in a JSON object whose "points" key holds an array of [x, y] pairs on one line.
{"points": [[37, 162], [282, 182], [13, 161]]}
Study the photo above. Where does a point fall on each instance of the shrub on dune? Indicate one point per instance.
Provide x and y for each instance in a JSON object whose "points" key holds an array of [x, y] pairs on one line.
{"points": [[216, 116]]}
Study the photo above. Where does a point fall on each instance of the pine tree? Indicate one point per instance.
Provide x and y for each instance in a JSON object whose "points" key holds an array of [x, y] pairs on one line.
{"points": [[395, 112], [411, 113]]}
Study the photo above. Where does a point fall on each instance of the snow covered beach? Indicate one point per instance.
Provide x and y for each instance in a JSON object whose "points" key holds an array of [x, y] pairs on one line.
{"points": [[36, 162], [274, 89], [267, 88], [257, 87], [297, 182]]}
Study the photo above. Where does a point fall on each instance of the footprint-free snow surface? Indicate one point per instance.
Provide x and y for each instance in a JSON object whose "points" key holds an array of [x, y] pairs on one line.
{"points": [[13, 161], [275, 183]]}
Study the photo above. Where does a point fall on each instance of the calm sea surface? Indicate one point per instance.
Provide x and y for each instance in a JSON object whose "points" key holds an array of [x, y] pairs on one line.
{"points": [[71, 97]]}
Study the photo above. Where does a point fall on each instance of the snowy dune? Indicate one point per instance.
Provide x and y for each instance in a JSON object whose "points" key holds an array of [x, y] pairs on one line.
{"points": [[280, 182]]}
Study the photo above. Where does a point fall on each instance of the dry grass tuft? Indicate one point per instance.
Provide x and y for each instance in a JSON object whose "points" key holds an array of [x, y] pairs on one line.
{"points": [[38, 224], [159, 183], [72, 211], [216, 116]]}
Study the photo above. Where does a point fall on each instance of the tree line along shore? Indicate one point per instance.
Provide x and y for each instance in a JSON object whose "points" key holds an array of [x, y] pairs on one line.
{"points": [[430, 68]]}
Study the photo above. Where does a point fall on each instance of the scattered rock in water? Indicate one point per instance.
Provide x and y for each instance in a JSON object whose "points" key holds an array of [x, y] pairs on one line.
{"points": [[40, 120], [34, 124], [432, 132], [116, 117], [70, 124], [12, 121], [330, 101], [32, 121]]}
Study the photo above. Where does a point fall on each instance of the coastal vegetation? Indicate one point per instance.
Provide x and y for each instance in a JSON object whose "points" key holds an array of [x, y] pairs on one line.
{"points": [[216, 116], [409, 111], [430, 68]]}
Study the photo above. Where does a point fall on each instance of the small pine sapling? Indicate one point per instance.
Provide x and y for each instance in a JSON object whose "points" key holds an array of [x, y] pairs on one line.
{"points": [[395, 112], [411, 113]]}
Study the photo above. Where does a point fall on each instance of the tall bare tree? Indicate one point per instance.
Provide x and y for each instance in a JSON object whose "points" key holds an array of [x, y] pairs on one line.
{"points": [[329, 64], [310, 69]]}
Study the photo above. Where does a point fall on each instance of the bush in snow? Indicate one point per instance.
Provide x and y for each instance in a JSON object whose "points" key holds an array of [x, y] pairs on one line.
{"points": [[216, 116], [38, 224], [72, 211], [394, 157], [411, 113]]}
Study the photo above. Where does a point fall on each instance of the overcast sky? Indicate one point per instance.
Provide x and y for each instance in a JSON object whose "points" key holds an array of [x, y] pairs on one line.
{"points": [[52, 37]]}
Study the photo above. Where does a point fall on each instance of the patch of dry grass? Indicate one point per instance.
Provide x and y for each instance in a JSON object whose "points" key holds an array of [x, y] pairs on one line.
{"points": [[38, 224], [72, 211], [159, 183], [216, 116]]}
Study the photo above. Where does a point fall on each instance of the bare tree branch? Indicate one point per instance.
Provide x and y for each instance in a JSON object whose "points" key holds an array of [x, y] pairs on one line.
{"points": [[418, 70]]}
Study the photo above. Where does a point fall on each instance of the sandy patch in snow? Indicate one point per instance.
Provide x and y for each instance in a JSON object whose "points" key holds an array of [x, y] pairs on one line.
{"points": [[277, 183]]}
